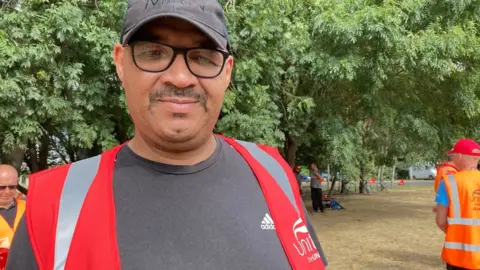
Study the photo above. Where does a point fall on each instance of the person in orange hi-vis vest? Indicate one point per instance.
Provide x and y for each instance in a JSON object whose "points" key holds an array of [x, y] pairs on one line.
{"points": [[20, 196], [458, 208], [11, 209], [448, 167]]}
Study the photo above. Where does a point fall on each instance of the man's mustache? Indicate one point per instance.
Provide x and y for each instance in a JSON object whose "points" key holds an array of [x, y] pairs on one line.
{"points": [[172, 91]]}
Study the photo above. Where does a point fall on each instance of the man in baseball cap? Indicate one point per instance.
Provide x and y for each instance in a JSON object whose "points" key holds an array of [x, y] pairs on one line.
{"points": [[205, 15], [465, 147], [176, 196], [461, 157], [458, 158], [453, 204]]}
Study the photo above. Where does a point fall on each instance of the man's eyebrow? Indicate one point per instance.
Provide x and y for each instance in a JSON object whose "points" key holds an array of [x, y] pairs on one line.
{"points": [[146, 37], [149, 36], [208, 44]]}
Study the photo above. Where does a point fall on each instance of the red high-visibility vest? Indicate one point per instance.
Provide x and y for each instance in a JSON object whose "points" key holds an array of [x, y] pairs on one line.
{"points": [[71, 213]]}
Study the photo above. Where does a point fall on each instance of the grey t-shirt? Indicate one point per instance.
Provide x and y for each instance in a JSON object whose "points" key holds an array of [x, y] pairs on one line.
{"points": [[9, 214], [314, 181], [206, 216]]}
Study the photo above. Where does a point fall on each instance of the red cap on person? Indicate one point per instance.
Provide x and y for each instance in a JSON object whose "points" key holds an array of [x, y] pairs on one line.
{"points": [[466, 147], [296, 168]]}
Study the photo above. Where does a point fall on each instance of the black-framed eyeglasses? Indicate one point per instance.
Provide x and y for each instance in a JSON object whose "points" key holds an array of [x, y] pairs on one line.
{"points": [[152, 56], [10, 187]]}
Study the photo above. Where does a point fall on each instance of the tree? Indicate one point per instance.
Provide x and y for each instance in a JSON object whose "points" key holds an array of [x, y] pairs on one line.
{"points": [[57, 81]]}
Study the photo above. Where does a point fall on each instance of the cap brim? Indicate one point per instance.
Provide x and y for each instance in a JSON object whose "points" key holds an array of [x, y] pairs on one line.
{"points": [[212, 34], [450, 152]]}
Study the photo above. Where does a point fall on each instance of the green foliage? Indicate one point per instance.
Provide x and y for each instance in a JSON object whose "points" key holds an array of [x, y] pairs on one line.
{"points": [[56, 73], [352, 84]]}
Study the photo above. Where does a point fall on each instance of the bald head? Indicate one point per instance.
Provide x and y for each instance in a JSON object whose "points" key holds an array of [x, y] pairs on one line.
{"points": [[8, 171], [8, 185]]}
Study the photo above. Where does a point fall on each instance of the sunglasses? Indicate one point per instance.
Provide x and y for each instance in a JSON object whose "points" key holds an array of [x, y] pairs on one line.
{"points": [[12, 187]]}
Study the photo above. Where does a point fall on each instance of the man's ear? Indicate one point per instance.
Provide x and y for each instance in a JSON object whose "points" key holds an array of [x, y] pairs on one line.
{"points": [[117, 55], [228, 70]]}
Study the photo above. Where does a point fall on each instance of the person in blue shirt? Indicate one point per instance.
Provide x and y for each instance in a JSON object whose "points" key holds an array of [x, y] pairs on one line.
{"points": [[442, 199], [464, 159], [465, 155]]}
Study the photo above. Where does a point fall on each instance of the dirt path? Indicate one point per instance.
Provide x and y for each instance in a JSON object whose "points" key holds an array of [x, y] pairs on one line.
{"points": [[387, 230]]}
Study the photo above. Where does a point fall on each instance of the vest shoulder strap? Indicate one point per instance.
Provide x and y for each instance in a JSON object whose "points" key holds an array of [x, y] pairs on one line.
{"points": [[455, 205], [277, 182], [277, 167], [44, 189], [21, 205], [55, 198]]}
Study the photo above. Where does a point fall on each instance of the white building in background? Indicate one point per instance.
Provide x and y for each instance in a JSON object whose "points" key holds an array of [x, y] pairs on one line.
{"points": [[422, 171]]}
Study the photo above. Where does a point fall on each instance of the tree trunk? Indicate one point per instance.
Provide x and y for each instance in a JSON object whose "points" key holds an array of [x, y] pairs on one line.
{"points": [[81, 153], [84, 153], [70, 151], [332, 186], [328, 176], [393, 172], [343, 186], [32, 160], [15, 158], [43, 152], [362, 178], [290, 149]]}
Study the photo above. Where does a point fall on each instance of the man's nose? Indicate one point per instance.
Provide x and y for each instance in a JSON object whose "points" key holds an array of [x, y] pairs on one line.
{"points": [[178, 74]]}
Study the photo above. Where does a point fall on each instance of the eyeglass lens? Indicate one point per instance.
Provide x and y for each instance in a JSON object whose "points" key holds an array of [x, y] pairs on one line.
{"points": [[11, 187], [157, 57]]}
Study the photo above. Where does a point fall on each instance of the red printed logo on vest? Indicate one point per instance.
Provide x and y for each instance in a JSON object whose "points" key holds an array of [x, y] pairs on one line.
{"points": [[304, 244], [475, 200]]}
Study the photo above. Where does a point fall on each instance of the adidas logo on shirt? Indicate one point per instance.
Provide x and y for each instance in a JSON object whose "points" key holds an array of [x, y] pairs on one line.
{"points": [[267, 223]]}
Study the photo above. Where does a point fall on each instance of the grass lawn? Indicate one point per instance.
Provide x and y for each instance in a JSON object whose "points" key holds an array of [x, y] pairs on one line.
{"points": [[386, 230]]}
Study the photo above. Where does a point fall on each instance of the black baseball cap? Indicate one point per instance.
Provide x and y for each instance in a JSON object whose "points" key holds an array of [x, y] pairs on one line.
{"points": [[206, 15]]}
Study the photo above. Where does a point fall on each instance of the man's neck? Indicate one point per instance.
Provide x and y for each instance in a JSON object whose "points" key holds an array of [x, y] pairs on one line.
{"points": [[468, 168], [161, 154], [7, 206]]}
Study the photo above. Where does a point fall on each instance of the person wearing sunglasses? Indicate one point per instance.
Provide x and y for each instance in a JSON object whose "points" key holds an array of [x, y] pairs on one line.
{"points": [[176, 196], [11, 208]]}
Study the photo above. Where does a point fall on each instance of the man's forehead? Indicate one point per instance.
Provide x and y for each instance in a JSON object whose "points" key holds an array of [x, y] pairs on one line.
{"points": [[8, 171], [162, 28]]}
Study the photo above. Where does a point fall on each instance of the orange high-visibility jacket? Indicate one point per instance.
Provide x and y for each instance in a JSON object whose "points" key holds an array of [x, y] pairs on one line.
{"points": [[462, 240], [7, 232], [442, 170], [20, 196]]}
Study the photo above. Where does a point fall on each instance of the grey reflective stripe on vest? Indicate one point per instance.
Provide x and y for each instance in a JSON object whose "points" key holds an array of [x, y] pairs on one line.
{"points": [[79, 178], [273, 167], [456, 218], [461, 246], [455, 202]]}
